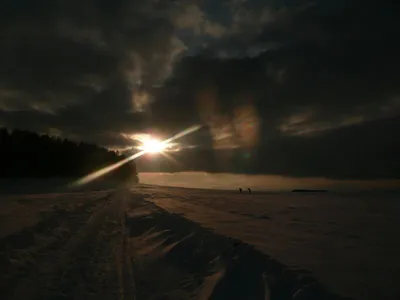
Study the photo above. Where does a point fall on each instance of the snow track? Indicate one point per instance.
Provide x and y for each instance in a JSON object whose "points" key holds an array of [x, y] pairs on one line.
{"points": [[117, 245]]}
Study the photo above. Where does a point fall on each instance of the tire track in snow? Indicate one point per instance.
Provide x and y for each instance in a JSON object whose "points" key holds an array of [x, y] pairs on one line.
{"points": [[82, 261]]}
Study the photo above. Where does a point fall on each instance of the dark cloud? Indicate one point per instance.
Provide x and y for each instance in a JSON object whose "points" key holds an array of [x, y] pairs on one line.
{"points": [[331, 80], [275, 79], [332, 56], [82, 66]]}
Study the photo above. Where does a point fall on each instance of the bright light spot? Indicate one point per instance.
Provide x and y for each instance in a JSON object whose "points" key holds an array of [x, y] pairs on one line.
{"points": [[150, 144], [158, 146], [153, 146]]}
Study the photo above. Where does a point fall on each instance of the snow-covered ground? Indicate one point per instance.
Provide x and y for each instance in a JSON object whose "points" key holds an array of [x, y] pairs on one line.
{"points": [[349, 242], [152, 242], [269, 183]]}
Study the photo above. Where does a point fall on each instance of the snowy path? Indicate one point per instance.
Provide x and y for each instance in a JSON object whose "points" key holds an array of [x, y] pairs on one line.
{"points": [[73, 252], [121, 245]]}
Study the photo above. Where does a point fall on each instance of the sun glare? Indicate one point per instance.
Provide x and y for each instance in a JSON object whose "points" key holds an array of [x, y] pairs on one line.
{"points": [[148, 145], [153, 146]]}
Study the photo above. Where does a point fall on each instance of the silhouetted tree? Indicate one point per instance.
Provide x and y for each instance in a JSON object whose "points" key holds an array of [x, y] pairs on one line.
{"points": [[27, 154]]}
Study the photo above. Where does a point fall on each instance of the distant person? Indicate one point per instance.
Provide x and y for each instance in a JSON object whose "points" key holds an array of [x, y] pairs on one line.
{"points": [[249, 189], [240, 190]]}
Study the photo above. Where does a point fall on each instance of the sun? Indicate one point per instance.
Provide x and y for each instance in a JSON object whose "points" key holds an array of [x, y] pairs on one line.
{"points": [[152, 145]]}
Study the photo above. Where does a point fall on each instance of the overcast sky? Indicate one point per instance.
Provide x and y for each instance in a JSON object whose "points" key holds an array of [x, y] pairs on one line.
{"points": [[295, 87]]}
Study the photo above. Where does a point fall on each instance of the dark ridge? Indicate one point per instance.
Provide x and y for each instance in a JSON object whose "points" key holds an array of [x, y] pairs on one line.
{"points": [[308, 191], [25, 154]]}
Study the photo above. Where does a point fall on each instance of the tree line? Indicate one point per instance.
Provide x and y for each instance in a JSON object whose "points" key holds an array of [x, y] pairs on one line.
{"points": [[25, 154]]}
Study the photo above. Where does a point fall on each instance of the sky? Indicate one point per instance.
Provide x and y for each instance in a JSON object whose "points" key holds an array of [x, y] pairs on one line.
{"points": [[284, 87]]}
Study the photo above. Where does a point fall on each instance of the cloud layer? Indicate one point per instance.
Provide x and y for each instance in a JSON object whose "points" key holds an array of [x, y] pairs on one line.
{"points": [[264, 78]]}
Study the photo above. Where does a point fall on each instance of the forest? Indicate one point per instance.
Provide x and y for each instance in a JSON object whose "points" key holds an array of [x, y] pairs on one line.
{"points": [[25, 154]]}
